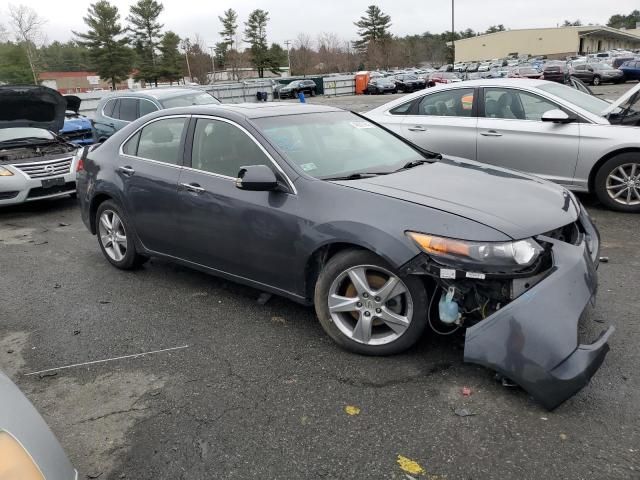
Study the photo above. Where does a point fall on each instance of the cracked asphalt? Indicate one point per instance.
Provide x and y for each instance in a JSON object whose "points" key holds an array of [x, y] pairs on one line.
{"points": [[261, 392]]}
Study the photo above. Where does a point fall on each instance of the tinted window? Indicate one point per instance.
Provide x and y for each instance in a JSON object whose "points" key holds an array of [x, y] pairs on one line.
{"points": [[515, 104], [128, 109], [131, 147], [146, 107], [452, 103], [222, 148], [188, 99], [108, 108], [160, 140]]}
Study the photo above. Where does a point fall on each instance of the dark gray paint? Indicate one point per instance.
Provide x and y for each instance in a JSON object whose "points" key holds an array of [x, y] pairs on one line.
{"points": [[266, 239]]}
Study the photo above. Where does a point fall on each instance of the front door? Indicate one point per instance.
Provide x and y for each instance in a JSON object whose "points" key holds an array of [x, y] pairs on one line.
{"points": [[150, 168], [444, 122], [244, 233], [512, 134]]}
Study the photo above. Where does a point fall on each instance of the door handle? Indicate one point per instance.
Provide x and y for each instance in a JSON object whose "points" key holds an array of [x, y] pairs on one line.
{"points": [[192, 187], [490, 133], [417, 128], [128, 171]]}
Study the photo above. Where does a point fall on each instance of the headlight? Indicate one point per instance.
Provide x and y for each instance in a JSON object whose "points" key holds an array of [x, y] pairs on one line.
{"points": [[15, 461], [5, 172], [480, 255]]}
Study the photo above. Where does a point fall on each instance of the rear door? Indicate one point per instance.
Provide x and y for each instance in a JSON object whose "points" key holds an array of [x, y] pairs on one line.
{"points": [[149, 166], [444, 121], [511, 134]]}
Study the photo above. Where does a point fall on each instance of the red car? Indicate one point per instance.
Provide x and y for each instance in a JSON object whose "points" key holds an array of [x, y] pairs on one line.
{"points": [[442, 77], [525, 72]]}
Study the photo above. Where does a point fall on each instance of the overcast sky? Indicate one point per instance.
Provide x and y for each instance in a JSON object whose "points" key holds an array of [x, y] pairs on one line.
{"points": [[188, 17]]}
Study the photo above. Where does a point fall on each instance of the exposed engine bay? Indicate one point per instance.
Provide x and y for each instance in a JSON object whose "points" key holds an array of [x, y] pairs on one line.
{"points": [[31, 152]]}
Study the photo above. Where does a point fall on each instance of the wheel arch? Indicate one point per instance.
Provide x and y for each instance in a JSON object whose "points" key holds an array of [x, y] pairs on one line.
{"points": [[603, 160], [96, 201]]}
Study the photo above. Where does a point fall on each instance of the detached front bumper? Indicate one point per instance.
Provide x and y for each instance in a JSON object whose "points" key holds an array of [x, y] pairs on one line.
{"points": [[534, 339]]}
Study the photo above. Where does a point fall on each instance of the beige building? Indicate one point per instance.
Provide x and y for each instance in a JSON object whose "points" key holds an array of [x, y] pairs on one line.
{"points": [[553, 42]]}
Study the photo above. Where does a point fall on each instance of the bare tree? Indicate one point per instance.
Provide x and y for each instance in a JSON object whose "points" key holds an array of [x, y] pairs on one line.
{"points": [[27, 27], [302, 55], [4, 34]]}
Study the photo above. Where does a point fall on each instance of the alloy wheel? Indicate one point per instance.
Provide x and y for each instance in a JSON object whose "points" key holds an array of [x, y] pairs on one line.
{"points": [[113, 235], [370, 305], [623, 184]]}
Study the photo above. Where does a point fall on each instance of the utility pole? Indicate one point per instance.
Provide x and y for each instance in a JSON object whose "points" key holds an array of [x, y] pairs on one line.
{"points": [[288, 43], [186, 44], [453, 32], [213, 65]]}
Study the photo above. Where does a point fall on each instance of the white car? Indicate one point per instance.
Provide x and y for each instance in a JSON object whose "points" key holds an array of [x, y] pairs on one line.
{"points": [[35, 163], [544, 128]]}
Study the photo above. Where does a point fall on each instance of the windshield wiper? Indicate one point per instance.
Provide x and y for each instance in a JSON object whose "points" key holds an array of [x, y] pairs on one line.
{"points": [[357, 176], [415, 163]]}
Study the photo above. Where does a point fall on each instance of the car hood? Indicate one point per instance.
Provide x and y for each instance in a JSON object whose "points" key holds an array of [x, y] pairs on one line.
{"points": [[22, 421], [31, 106], [624, 98], [511, 202]]}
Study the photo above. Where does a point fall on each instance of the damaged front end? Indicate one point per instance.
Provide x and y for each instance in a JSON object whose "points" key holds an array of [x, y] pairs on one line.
{"points": [[522, 320]]}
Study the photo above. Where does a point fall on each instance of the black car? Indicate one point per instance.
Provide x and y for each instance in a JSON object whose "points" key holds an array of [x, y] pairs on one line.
{"points": [[292, 89], [409, 83], [381, 85], [555, 72], [329, 209], [597, 73]]}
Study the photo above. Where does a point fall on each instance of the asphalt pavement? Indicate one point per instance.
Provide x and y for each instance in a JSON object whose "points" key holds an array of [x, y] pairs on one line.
{"points": [[234, 389]]}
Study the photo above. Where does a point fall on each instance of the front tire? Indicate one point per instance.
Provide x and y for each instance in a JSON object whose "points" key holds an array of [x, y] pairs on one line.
{"points": [[366, 307], [617, 183], [597, 81], [115, 237]]}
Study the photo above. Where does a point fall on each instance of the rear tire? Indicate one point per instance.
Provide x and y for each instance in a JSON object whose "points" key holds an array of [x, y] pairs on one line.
{"points": [[355, 325], [617, 183], [597, 81], [115, 237]]}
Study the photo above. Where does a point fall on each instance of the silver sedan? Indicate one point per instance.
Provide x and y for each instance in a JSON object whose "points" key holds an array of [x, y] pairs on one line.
{"points": [[539, 127]]}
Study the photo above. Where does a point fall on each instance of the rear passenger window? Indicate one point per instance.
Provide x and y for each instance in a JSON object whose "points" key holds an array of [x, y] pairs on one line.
{"points": [[403, 109], [128, 109], [108, 108], [159, 141], [452, 103], [131, 146]]}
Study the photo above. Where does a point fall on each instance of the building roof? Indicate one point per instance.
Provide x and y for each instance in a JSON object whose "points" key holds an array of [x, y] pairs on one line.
{"points": [[54, 75], [582, 31]]}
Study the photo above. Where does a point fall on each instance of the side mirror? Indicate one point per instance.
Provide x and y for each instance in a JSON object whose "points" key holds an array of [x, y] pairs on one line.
{"points": [[557, 116], [257, 178]]}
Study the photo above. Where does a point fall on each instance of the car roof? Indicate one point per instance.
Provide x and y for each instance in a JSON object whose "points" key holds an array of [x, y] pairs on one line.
{"points": [[255, 110], [156, 93]]}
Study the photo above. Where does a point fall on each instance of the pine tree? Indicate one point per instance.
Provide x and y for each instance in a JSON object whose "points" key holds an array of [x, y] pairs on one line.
{"points": [[229, 22], [146, 35], [170, 62], [373, 26], [105, 40], [256, 35]]}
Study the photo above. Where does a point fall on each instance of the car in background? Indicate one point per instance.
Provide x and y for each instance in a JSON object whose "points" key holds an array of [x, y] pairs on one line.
{"points": [[77, 128], [543, 128], [473, 67], [35, 162], [442, 78], [524, 72], [617, 62], [409, 83], [119, 109], [292, 89], [28, 448], [555, 72], [484, 67], [631, 70], [389, 231], [381, 85], [597, 73]]}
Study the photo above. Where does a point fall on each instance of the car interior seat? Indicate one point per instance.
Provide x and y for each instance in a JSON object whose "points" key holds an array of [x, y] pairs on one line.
{"points": [[504, 106], [491, 108]]}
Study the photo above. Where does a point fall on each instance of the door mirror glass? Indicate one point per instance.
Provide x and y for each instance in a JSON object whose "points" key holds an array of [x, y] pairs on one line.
{"points": [[556, 116], [257, 178]]}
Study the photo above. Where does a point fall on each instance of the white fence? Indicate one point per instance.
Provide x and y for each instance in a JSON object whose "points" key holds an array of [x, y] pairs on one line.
{"points": [[342, 85]]}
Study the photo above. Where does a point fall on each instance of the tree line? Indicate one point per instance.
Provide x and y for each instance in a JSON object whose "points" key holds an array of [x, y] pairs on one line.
{"points": [[138, 45]]}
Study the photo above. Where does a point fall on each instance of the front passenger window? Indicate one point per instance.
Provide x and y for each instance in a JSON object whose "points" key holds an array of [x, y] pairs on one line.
{"points": [[222, 148]]}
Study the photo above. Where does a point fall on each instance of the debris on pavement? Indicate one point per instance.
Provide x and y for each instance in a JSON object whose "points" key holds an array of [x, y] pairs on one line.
{"points": [[409, 466], [466, 391], [94, 475], [604, 259], [463, 412], [57, 285], [76, 332], [48, 374], [263, 298], [63, 224], [278, 320], [563, 436], [352, 410]]}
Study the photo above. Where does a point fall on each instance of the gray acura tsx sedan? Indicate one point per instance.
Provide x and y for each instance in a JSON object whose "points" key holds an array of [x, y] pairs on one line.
{"points": [[328, 208]]}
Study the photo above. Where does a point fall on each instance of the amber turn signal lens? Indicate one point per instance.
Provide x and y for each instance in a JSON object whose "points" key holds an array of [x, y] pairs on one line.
{"points": [[431, 244], [15, 462]]}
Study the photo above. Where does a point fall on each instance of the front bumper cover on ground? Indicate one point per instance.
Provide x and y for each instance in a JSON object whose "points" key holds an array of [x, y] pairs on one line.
{"points": [[534, 339]]}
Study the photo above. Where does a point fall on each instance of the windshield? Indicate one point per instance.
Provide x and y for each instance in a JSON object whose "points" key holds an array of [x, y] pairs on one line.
{"points": [[186, 100], [8, 134], [600, 66], [587, 102], [336, 144]]}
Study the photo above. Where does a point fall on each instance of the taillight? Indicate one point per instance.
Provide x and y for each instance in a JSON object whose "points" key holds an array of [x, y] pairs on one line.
{"points": [[80, 166]]}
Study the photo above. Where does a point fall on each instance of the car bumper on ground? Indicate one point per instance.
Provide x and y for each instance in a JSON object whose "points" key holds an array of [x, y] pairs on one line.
{"points": [[27, 184], [534, 339]]}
